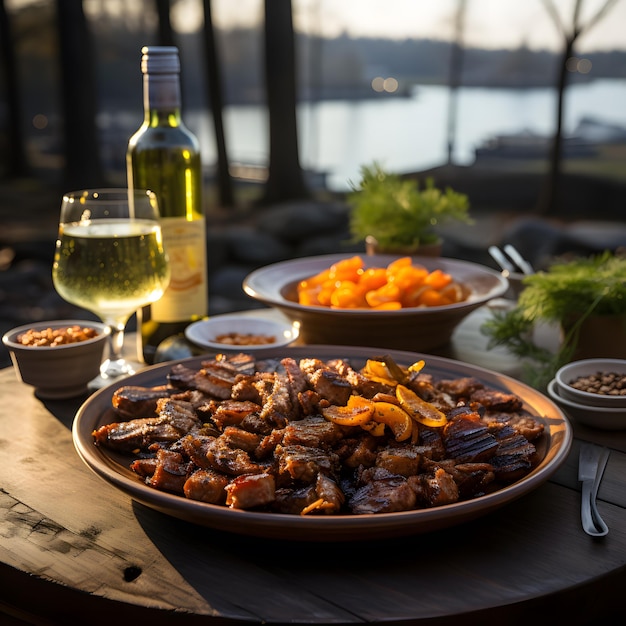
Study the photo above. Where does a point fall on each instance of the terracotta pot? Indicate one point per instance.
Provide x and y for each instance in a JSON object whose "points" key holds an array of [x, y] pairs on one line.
{"points": [[600, 336], [372, 248]]}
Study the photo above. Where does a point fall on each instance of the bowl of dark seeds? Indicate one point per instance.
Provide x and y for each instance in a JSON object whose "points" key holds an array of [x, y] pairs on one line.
{"points": [[593, 382]]}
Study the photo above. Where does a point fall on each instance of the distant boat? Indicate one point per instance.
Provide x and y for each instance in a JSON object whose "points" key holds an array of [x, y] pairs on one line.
{"points": [[597, 131], [527, 145]]}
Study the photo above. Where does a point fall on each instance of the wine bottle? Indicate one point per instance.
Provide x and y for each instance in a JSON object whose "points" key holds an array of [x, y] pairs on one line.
{"points": [[164, 156]]}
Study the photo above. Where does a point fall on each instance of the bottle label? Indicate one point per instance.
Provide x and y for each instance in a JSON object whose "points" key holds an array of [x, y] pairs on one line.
{"points": [[186, 297]]}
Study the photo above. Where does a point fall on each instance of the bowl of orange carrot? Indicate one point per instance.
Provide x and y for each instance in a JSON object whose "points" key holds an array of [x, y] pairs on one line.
{"points": [[387, 301]]}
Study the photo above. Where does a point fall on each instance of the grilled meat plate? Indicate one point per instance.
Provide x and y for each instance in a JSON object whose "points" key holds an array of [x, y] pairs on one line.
{"points": [[315, 437]]}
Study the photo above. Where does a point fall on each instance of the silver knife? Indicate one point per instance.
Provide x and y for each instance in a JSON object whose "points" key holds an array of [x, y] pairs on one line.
{"points": [[591, 463], [498, 256], [519, 260]]}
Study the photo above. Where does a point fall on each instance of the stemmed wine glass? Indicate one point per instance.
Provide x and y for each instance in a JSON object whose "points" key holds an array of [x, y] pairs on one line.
{"points": [[109, 259]]}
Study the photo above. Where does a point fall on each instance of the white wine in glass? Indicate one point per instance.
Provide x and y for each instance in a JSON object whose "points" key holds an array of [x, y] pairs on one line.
{"points": [[110, 260]]}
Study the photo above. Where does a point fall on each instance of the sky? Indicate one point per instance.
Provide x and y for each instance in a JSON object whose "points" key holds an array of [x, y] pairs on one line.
{"points": [[489, 23]]}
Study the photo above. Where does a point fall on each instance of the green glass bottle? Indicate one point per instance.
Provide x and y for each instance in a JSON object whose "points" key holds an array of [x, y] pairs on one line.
{"points": [[164, 156]]}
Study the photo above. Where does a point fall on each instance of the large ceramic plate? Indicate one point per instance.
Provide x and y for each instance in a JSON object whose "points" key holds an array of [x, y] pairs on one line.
{"points": [[412, 328], [553, 448]]}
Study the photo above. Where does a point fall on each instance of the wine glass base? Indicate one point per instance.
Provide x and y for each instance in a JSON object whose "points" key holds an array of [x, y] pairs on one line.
{"points": [[113, 371]]}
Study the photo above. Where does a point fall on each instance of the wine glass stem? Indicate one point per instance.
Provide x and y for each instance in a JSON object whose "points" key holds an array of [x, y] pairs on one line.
{"points": [[116, 342], [116, 366]]}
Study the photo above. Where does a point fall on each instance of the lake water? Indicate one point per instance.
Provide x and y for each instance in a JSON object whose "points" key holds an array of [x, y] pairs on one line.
{"points": [[409, 134]]}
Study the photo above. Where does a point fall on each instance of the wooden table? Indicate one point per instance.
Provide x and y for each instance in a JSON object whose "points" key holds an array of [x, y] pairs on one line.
{"points": [[74, 549]]}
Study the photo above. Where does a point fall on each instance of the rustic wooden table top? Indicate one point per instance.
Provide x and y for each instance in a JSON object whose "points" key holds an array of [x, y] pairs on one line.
{"points": [[73, 547]]}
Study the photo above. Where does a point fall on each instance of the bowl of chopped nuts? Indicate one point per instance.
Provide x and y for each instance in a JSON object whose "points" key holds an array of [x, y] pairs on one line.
{"points": [[59, 357], [595, 382], [242, 333]]}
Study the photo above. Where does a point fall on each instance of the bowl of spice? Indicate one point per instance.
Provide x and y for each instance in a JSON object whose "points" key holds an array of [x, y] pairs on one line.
{"points": [[595, 382], [59, 358], [242, 333]]}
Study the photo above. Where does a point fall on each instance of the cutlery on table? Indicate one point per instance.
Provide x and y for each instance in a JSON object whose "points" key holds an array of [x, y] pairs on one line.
{"points": [[519, 260], [591, 463], [512, 262], [498, 256]]}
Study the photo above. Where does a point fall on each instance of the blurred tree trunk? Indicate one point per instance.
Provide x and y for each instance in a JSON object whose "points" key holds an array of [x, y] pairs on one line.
{"points": [[549, 200], [166, 32], [83, 166], [456, 70], [285, 180], [214, 87], [14, 149]]}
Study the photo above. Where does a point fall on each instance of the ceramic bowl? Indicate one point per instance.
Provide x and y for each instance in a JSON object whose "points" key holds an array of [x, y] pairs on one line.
{"points": [[205, 333], [572, 371], [61, 371], [416, 328], [602, 417]]}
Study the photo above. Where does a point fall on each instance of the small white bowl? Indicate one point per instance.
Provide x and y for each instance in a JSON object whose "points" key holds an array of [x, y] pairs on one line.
{"points": [[574, 370], [601, 417], [205, 333], [61, 371]]}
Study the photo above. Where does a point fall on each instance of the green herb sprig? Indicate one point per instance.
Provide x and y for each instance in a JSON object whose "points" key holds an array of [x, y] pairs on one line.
{"points": [[398, 213]]}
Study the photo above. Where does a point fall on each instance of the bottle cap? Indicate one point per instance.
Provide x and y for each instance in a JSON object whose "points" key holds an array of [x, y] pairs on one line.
{"points": [[160, 60]]}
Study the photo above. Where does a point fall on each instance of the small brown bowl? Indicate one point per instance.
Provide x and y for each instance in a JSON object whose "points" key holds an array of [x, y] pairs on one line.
{"points": [[58, 371]]}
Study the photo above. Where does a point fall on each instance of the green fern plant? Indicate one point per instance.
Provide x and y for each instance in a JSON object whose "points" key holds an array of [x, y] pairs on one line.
{"points": [[398, 213]]}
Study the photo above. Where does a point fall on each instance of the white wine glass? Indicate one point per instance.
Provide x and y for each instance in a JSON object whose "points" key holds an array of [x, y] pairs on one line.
{"points": [[110, 260]]}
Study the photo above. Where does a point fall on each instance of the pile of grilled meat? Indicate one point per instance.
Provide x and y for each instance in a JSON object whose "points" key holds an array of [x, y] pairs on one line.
{"points": [[252, 435]]}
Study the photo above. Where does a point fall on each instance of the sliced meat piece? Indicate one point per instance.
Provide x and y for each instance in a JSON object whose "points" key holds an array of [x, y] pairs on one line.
{"points": [[251, 388], [358, 452], [206, 486], [313, 432], [232, 462], [170, 473], [132, 401], [279, 400], [237, 438], [431, 442], [250, 491], [515, 455], [197, 447], [467, 439], [434, 489], [472, 479], [303, 464], [175, 420], [310, 402], [460, 388], [293, 501], [495, 400], [297, 377], [387, 494], [324, 496], [525, 424], [331, 386], [232, 412], [241, 363], [401, 460]]}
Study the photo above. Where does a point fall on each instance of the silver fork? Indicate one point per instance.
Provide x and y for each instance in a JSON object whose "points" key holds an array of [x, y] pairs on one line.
{"points": [[592, 461]]}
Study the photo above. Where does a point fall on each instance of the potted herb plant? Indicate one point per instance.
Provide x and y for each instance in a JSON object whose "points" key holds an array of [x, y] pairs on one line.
{"points": [[393, 215], [584, 297]]}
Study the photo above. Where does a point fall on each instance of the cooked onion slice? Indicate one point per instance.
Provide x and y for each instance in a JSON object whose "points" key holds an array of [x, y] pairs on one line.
{"points": [[420, 410]]}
